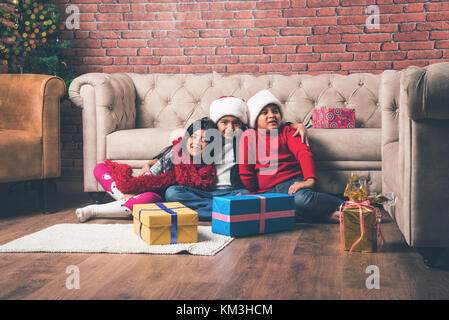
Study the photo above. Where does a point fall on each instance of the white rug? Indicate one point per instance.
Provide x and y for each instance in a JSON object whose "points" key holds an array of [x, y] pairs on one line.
{"points": [[110, 238]]}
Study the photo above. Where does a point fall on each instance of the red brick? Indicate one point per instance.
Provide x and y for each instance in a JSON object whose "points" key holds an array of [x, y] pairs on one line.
{"points": [[192, 6], [394, 55], [394, 18], [434, 16], [175, 60], [121, 52], [358, 65], [144, 60], [114, 8], [442, 6], [279, 4], [415, 45], [254, 59], [167, 51], [419, 7], [337, 57], [303, 57], [411, 36], [377, 37], [324, 39], [195, 69], [240, 5], [132, 43], [429, 54], [323, 3], [329, 48], [163, 69], [291, 40], [247, 50], [222, 59], [324, 66], [244, 68], [274, 67]]}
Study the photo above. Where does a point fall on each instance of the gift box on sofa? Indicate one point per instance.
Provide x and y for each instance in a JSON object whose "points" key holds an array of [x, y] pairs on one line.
{"points": [[165, 223], [360, 227], [333, 118], [245, 215]]}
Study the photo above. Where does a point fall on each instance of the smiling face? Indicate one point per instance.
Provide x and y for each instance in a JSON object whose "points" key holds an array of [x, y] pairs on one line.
{"points": [[227, 125], [269, 118], [197, 142]]}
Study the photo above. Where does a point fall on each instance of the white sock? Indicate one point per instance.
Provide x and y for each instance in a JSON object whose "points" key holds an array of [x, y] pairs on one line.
{"points": [[115, 193], [111, 209]]}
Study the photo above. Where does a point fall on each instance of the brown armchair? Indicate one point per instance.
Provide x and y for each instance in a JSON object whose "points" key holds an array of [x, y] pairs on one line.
{"points": [[29, 128]]}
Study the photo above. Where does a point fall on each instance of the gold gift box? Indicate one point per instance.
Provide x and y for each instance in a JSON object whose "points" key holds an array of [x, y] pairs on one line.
{"points": [[352, 232], [154, 225]]}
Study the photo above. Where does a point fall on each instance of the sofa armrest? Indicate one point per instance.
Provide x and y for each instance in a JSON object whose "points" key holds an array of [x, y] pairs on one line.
{"points": [[115, 96], [30, 102], [427, 91], [108, 103]]}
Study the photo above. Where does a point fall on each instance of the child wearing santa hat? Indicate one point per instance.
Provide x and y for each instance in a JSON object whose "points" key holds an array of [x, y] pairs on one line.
{"points": [[294, 170]]}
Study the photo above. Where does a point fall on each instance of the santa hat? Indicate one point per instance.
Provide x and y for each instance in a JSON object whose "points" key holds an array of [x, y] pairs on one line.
{"points": [[228, 106], [259, 101]]}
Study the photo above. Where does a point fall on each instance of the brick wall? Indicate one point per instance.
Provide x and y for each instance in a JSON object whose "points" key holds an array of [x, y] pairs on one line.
{"points": [[256, 37]]}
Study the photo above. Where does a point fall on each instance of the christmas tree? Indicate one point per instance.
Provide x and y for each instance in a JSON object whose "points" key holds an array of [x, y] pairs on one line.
{"points": [[29, 39]]}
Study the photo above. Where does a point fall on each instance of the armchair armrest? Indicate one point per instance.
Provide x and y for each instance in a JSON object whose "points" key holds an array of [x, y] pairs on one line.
{"points": [[30, 102], [423, 174], [427, 91], [109, 104]]}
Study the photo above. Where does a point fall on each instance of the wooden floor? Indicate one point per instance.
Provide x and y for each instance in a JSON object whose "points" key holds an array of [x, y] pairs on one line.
{"points": [[306, 263]]}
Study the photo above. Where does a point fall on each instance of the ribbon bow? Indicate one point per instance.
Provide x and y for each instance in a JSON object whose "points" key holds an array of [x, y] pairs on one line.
{"points": [[377, 222], [174, 221]]}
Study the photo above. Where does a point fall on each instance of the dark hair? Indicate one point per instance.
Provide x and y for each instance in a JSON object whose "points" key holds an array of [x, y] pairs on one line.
{"points": [[202, 124]]}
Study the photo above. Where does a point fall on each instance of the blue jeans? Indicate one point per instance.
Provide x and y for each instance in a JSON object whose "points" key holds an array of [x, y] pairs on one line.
{"points": [[198, 200], [309, 204]]}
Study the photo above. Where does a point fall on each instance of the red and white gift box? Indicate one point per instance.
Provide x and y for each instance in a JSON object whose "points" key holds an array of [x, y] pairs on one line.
{"points": [[333, 118]]}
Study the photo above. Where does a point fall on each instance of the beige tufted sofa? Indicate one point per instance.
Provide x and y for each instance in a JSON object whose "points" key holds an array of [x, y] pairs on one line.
{"points": [[130, 117]]}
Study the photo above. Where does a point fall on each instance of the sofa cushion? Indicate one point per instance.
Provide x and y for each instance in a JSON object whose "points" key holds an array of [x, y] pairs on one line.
{"points": [[21, 153], [138, 144], [360, 144]]}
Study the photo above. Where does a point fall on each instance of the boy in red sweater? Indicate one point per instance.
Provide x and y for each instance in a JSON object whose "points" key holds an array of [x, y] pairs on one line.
{"points": [[272, 160]]}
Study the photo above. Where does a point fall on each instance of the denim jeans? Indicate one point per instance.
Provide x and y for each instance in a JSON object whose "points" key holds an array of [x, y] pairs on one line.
{"points": [[309, 204], [198, 200]]}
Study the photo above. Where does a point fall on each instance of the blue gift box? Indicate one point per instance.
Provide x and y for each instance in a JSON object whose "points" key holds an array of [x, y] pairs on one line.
{"points": [[245, 215]]}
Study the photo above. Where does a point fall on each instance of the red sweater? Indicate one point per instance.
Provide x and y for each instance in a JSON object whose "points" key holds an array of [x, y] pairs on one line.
{"points": [[293, 158]]}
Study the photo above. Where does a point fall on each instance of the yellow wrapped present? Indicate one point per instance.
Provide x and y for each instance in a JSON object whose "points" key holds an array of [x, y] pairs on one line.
{"points": [[360, 227], [165, 223]]}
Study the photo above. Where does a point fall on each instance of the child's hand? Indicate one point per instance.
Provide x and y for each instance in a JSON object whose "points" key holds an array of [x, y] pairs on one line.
{"points": [[146, 167], [298, 185], [295, 187], [302, 131]]}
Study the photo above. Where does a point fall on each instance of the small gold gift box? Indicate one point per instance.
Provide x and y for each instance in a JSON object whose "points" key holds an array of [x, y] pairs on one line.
{"points": [[165, 223], [351, 230]]}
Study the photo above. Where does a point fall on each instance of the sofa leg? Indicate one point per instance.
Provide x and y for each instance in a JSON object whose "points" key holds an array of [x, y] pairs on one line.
{"points": [[97, 197], [430, 255], [43, 190]]}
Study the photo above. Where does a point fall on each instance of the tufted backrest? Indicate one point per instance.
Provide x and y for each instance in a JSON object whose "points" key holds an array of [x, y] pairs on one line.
{"points": [[173, 101]]}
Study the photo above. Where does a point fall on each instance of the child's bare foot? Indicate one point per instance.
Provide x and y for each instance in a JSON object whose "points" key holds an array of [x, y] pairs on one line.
{"points": [[334, 217]]}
